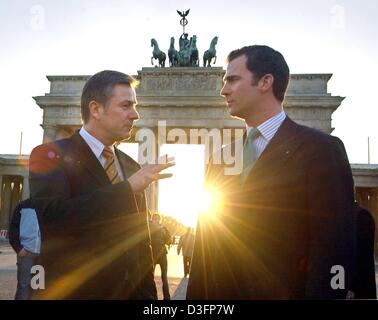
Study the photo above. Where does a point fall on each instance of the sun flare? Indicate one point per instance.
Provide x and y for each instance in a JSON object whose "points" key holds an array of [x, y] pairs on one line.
{"points": [[184, 196], [210, 202]]}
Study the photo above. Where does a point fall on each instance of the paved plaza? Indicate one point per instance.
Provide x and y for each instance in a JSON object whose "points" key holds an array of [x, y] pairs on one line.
{"points": [[177, 283]]}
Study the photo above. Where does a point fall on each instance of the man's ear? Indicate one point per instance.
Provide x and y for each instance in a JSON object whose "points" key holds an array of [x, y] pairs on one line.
{"points": [[266, 82], [95, 109]]}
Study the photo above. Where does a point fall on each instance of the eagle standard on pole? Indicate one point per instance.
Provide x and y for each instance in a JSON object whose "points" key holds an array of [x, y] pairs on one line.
{"points": [[183, 20]]}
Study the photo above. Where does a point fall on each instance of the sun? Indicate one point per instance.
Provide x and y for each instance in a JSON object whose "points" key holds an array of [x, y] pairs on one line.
{"points": [[187, 208], [210, 202], [184, 196]]}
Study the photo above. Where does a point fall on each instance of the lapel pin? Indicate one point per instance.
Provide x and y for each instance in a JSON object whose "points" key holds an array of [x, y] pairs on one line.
{"points": [[287, 151]]}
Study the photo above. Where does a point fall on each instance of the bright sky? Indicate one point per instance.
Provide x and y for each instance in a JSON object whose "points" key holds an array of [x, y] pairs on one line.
{"points": [[74, 37]]}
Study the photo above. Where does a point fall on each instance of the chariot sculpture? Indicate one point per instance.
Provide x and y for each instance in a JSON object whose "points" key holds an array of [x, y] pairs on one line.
{"points": [[187, 55]]}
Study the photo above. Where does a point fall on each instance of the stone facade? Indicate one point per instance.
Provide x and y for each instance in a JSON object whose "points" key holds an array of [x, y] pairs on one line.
{"points": [[186, 98], [14, 185]]}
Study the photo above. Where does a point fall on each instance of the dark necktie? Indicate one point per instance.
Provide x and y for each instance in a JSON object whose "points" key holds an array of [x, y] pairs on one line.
{"points": [[249, 153]]}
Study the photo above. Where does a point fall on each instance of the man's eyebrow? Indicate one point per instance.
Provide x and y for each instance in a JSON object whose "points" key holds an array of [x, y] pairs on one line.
{"points": [[127, 101], [230, 78]]}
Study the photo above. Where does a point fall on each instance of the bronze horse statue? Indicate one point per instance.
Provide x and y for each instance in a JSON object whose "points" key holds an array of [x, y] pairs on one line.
{"points": [[210, 54], [173, 54], [194, 61], [157, 54]]}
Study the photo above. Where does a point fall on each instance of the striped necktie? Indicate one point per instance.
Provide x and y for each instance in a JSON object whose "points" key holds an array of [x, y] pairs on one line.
{"points": [[249, 153], [110, 167]]}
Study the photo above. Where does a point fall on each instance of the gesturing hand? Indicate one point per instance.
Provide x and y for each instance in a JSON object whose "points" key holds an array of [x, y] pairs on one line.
{"points": [[150, 173]]}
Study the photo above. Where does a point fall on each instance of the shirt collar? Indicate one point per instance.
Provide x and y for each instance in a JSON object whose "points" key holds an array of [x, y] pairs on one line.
{"points": [[269, 128], [96, 145]]}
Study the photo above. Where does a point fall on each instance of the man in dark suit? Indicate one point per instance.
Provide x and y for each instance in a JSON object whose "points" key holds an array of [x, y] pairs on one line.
{"points": [[285, 229], [363, 285], [93, 221]]}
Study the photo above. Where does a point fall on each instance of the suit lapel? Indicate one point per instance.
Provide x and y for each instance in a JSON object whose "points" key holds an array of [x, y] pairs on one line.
{"points": [[278, 150], [128, 165], [85, 157]]}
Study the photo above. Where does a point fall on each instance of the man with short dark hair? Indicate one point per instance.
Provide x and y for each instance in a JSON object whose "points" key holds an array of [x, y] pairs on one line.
{"points": [[287, 219], [93, 216]]}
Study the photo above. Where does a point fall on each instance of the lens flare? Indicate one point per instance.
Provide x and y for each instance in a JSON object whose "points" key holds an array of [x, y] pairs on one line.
{"points": [[210, 202]]}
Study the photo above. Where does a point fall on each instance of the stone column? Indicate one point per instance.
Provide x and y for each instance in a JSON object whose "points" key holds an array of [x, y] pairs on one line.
{"points": [[1, 198], [374, 212], [153, 189], [374, 203], [16, 196], [358, 196], [363, 195], [61, 133], [49, 133], [1, 192], [7, 203], [25, 188], [148, 151]]}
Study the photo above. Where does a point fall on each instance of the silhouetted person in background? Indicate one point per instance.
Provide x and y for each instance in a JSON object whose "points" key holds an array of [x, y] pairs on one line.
{"points": [[25, 239], [160, 238], [364, 286], [187, 245]]}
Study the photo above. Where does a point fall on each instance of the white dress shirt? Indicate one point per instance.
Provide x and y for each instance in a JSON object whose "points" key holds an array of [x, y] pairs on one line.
{"points": [[267, 131], [97, 147]]}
